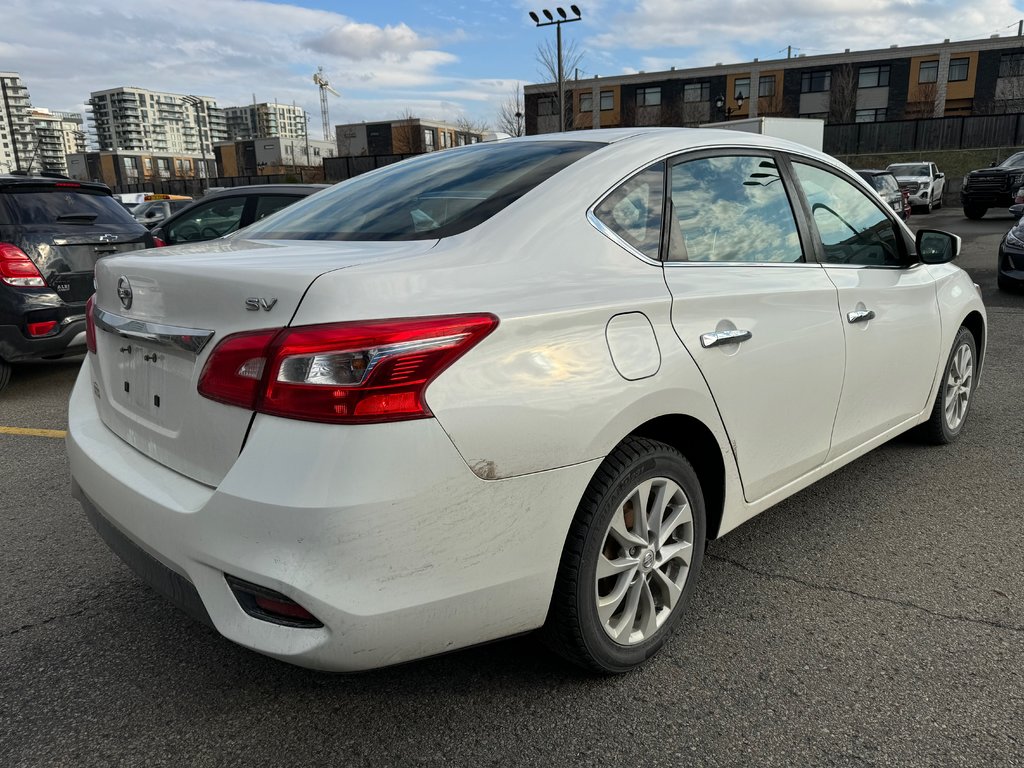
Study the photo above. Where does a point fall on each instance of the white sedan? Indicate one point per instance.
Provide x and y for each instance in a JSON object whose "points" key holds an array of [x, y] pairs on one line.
{"points": [[504, 387]]}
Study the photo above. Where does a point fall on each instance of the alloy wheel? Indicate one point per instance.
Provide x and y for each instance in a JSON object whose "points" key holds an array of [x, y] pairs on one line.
{"points": [[958, 385], [644, 561]]}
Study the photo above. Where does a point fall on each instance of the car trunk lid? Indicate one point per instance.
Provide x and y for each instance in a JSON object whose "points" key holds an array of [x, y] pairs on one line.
{"points": [[159, 316]]}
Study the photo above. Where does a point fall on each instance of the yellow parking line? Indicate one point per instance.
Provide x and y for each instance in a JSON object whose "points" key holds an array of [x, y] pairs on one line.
{"points": [[58, 433]]}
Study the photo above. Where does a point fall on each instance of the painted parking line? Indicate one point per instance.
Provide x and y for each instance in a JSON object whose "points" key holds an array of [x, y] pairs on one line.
{"points": [[57, 433]]}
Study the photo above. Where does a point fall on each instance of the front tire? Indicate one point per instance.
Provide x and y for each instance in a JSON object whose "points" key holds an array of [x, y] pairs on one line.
{"points": [[631, 559], [975, 211], [956, 392]]}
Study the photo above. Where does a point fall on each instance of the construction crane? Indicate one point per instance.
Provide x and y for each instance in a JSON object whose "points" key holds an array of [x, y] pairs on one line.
{"points": [[321, 80]]}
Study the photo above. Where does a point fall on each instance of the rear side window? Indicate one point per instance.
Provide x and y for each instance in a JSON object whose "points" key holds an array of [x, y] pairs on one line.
{"points": [[427, 197], [58, 205]]}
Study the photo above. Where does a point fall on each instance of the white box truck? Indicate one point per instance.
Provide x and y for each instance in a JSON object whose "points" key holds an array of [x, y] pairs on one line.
{"points": [[803, 130]]}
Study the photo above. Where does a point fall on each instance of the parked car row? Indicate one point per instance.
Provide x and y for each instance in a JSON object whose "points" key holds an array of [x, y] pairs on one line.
{"points": [[53, 231]]}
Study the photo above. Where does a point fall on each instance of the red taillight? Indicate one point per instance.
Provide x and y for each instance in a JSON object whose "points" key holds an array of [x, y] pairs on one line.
{"points": [[71, 184], [344, 373], [17, 269], [158, 243], [90, 325], [41, 329]]}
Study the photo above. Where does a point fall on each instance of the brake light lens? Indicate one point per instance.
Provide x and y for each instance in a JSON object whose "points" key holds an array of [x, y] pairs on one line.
{"points": [[90, 325], [342, 373], [42, 329], [17, 269], [158, 243]]}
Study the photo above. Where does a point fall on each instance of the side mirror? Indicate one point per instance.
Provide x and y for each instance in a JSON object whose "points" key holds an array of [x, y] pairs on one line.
{"points": [[992, 164], [937, 247], [1017, 210]]}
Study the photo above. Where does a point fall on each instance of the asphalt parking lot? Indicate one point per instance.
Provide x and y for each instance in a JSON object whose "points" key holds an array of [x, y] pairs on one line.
{"points": [[876, 618]]}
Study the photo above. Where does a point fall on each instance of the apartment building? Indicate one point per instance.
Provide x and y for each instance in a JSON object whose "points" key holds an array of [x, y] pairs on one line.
{"points": [[17, 141], [57, 134], [945, 79], [266, 120], [134, 119], [273, 155], [400, 137]]}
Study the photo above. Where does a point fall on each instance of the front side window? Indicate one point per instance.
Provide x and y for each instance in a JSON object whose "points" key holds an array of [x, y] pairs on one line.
{"points": [[268, 204], [633, 210], [853, 229], [425, 197], [207, 221], [929, 72], [731, 209], [873, 77]]}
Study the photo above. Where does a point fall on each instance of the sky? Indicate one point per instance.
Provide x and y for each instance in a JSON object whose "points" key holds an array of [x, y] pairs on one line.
{"points": [[389, 58]]}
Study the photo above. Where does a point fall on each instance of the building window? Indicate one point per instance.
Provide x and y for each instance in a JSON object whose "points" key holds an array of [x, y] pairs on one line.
{"points": [[874, 77], [697, 92], [648, 97], [929, 72], [741, 88], [958, 69], [815, 115], [428, 140], [586, 102], [546, 106], [607, 100], [1010, 65], [870, 115], [816, 82], [766, 85]]}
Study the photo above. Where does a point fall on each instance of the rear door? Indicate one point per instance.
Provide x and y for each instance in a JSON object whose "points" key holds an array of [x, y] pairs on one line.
{"points": [[65, 228], [887, 304], [755, 311]]}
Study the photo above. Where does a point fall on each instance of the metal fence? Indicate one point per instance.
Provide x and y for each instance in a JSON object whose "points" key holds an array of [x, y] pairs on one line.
{"points": [[342, 168], [194, 187], [926, 135]]}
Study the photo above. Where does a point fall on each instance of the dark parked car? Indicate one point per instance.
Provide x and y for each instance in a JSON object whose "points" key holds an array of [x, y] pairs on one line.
{"points": [[885, 184], [994, 187], [52, 232], [1010, 267], [221, 213]]}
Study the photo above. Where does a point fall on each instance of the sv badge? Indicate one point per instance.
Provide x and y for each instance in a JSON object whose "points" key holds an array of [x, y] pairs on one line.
{"points": [[255, 304]]}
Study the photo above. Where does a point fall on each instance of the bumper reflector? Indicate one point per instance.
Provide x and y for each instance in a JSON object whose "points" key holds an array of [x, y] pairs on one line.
{"points": [[267, 605]]}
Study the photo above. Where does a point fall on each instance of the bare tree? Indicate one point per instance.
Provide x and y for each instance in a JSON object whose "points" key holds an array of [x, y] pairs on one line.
{"points": [[771, 106], [510, 113], [923, 105], [842, 100], [547, 60], [466, 124], [404, 135]]}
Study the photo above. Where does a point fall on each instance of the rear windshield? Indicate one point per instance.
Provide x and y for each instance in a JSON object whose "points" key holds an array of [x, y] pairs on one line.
{"points": [[424, 198], [50, 204], [910, 170]]}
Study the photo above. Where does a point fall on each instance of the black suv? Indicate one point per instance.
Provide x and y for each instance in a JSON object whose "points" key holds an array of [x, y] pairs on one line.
{"points": [[992, 187], [52, 231]]}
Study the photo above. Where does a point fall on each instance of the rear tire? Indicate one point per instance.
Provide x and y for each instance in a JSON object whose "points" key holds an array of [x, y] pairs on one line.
{"points": [[956, 392], [631, 559], [5, 374], [975, 211]]}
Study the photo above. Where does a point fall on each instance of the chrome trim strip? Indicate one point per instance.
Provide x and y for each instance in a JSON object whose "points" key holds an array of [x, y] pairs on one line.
{"points": [[188, 339], [605, 230]]}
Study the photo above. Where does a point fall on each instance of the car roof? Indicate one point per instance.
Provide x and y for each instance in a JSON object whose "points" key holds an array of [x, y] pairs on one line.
{"points": [[9, 180], [272, 189]]}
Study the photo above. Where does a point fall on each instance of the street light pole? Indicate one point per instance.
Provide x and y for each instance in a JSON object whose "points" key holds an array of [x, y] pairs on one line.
{"points": [[563, 19]]}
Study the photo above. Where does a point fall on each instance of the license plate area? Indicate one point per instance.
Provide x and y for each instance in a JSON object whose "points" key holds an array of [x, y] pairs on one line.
{"points": [[149, 381]]}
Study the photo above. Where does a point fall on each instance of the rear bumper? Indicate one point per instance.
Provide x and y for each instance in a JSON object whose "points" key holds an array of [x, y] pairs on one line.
{"points": [[380, 531], [15, 346]]}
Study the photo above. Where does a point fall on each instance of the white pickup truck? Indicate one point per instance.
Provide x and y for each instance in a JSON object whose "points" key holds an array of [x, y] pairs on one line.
{"points": [[923, 181]]}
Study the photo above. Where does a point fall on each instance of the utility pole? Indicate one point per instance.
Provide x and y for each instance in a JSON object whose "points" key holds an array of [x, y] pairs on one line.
{"points": [[196, 103], [564, 19]]}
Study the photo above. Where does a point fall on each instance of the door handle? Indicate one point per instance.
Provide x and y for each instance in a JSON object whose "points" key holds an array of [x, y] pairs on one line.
{"points": [[717, 338], [860, 315]]}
